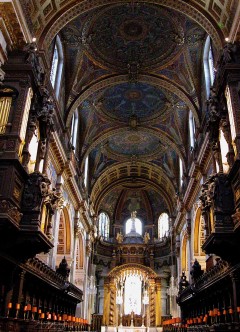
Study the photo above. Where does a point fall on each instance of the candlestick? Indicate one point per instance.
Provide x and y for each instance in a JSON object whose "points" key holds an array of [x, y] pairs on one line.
{"points": [[25, 312], [9, 306], [17, 310]]}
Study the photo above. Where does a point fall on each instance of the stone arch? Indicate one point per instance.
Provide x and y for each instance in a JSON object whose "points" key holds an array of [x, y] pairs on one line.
{"points": [[185, 254], [113, 287], [198, 229], [198, 238], [160, 134], [79, 261], [64, 236], [116, 176]]}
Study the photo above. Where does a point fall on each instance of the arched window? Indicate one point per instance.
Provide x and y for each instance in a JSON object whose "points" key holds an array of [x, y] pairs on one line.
{"points": [[208, 65], [103, 225], [231, 116], [224, 151], [163, 225], [86, 172], [32, 148], [180, 172], [57, 66], [138, 225], [74, 128], [191, 129]]}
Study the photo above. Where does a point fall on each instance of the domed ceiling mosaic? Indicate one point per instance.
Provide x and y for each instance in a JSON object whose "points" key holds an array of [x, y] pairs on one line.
{"points": [[121, 34], [125, 100], [131, 143], [134, 72]]}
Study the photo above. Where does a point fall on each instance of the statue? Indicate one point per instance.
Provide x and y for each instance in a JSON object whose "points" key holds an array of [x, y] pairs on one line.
{"points": [[119, 237], [63, 269], [133, 214], [146, 238], [183, 283], [196, 271], [228, 50]]}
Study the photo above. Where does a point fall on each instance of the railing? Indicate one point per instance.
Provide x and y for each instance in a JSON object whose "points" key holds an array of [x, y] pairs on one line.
{"points": [[18, 325], [208, 277], [38, 268]]}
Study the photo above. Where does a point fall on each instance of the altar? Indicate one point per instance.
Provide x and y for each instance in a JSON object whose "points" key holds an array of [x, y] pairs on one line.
{"points": [[130, 329], [133, 300]]}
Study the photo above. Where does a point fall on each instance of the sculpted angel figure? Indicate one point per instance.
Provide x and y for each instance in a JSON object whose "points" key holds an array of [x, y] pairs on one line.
{"points": [[119, 237], [146, 238]]}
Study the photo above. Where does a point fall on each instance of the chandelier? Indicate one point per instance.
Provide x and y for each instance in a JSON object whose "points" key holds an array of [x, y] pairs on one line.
{"points": [[145, 298], [119, 297], [91, 287], [172, 289]]}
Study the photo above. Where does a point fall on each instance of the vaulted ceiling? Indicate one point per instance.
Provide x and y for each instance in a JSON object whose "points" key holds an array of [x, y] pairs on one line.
{"points": [[134, 69]]}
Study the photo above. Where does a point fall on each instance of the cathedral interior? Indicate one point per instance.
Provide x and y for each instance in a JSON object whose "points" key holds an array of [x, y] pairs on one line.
{"points": [[119, 165]]}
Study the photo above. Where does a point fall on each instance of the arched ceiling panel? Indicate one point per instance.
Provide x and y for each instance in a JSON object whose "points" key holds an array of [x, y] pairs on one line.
{"points": [[191, 9], [126, 144], [159, 82], [130, 175]]}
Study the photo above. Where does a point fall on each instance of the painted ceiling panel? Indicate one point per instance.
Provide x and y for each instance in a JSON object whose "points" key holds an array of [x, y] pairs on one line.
{"points": [[132, 69]]}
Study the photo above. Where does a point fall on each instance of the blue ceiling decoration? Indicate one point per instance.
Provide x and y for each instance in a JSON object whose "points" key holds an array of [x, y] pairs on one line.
{"points": [[122, 34], [129, 145], [122, 101]]}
